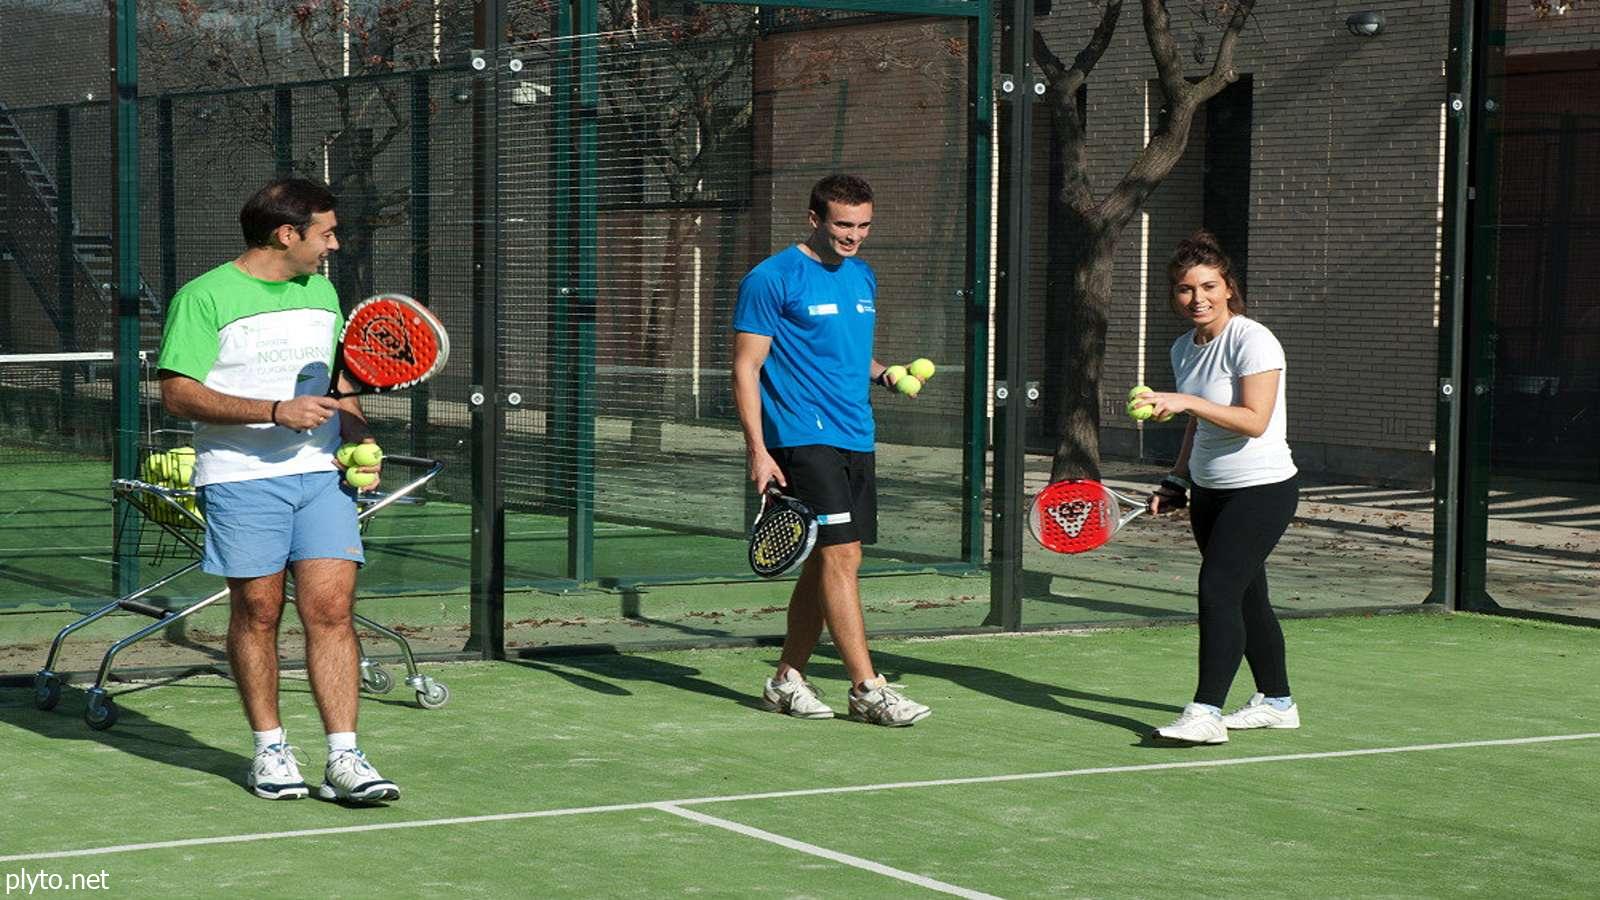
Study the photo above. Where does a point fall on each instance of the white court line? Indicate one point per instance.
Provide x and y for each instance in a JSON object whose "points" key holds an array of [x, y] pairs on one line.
{"points": [[812, 849], [804, 792]]}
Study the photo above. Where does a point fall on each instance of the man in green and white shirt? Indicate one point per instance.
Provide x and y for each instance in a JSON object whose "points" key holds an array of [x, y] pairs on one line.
{"points": [[247, 355]]}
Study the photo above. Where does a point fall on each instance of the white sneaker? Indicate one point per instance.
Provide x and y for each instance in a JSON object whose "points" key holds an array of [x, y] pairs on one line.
{"points": [[883, 704], [350, 777], [794, 696], [1197, 725], [1258, 713], [274, 775]]}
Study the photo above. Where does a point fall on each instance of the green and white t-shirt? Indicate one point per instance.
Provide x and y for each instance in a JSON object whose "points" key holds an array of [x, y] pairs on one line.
{"points": [[262, 340]]}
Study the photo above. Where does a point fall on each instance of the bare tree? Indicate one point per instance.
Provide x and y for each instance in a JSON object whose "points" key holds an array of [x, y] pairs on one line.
{"points": [[193, 45], [676, 89], [1082, 247]]}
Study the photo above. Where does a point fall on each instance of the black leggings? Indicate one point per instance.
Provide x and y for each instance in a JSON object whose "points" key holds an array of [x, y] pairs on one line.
{"points": [[1236, 530]]}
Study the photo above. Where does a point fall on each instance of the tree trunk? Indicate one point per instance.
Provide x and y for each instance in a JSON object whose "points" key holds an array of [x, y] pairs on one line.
{"points": [[1078, 354], [660, 326]]}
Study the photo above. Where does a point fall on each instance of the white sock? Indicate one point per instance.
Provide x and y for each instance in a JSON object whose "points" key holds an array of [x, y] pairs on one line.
{"points": [[341, 740], [265, 739]]}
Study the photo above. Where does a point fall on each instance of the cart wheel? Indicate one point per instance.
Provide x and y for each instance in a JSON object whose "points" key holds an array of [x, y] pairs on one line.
{"points": [[375, 679], [46, 690], [101, 714], [434, 696]]}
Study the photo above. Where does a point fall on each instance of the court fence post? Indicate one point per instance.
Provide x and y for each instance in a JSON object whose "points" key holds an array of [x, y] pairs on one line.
{"points": [[580, 560], [487, 635], [1011, 410], [980, 120], [124, 37]]}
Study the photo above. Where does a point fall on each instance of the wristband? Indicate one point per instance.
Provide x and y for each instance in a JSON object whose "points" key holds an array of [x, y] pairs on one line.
{"points": [[1178, 481], [883, 379], [274, 414]]}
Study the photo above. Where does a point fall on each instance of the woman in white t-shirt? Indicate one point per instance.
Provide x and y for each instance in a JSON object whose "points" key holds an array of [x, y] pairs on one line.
{"points": [[1230, 374]]}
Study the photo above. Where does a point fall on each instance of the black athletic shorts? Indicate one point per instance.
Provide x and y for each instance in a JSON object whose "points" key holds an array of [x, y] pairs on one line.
{"points": [[840, 486]]}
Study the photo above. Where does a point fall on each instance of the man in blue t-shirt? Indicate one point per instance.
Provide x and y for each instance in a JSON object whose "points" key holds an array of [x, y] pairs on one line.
{"points": [[802, 367]]}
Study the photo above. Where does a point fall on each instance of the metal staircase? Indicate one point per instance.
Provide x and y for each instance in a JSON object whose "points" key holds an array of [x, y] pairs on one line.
{"points": [[29, 229]]}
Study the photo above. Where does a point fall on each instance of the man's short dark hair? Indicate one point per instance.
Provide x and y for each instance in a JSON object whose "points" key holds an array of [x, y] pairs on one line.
{"points": [[287, 201], [849, 190]]}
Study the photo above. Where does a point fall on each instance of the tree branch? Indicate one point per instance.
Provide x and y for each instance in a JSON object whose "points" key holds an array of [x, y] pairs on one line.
{"points": [[1164, 50], [1222, 73]]}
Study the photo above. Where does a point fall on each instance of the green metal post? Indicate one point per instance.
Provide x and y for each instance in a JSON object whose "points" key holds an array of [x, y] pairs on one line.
{"points": [[283, 131], [980, 120], [1452, 306], [1010, 427], [488, 575], [124, 36], [558, 256], [421, 232], [1478, 324], [167, 198], [581, 524]]}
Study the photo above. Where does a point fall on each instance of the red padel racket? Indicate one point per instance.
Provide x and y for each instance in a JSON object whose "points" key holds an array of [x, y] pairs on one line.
{"points": [[390, 342], [1078, 516]]}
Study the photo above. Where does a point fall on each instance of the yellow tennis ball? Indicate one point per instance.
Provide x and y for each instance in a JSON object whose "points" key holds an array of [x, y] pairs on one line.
{"points": [[343, 454], [1136, 390], [366, 455], [359, 479], [185, 474], [922, 368], [1141, 411], [910, 385], [895, 373], [1165, 418]]}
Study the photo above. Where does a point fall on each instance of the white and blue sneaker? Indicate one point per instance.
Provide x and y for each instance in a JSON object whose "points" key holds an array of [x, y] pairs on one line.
{"points": [[274, 775], [1262, 713], [349, 777]]}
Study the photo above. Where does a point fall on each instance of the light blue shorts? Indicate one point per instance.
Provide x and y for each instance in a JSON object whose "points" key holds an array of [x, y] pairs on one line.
{"points": [[258, 527]]}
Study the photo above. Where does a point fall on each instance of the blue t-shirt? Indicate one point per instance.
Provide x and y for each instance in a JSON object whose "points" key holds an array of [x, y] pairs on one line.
{"points": [[814, 383]]}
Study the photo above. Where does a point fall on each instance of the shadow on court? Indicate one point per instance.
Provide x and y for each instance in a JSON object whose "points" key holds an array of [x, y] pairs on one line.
{"points": [[134, 733], [1001, 686], [600, 673]]}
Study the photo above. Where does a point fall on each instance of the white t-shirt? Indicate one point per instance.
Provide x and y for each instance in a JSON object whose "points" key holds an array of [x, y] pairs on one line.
{"points": [[1221, 458]]}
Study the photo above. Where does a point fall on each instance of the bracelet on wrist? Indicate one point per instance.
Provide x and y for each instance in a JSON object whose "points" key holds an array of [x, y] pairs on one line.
{"points": [[273, 415]]}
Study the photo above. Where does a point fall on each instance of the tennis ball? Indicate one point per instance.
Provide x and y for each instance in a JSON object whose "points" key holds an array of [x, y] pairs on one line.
{"points": [[343, 454], [166, 467], [910, 385], [1140, 411], [366, 455], [895, 373], [1136, 390], [922, 368], [359, 479]]}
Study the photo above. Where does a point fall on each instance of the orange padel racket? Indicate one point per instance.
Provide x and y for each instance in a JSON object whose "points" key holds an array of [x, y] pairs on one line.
{"points": [[1078, 516], [390, 342]]}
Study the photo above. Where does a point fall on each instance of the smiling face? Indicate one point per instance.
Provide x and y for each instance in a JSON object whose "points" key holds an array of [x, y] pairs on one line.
{"points": [[846, 226], [304, 255], [1201, 295]]}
